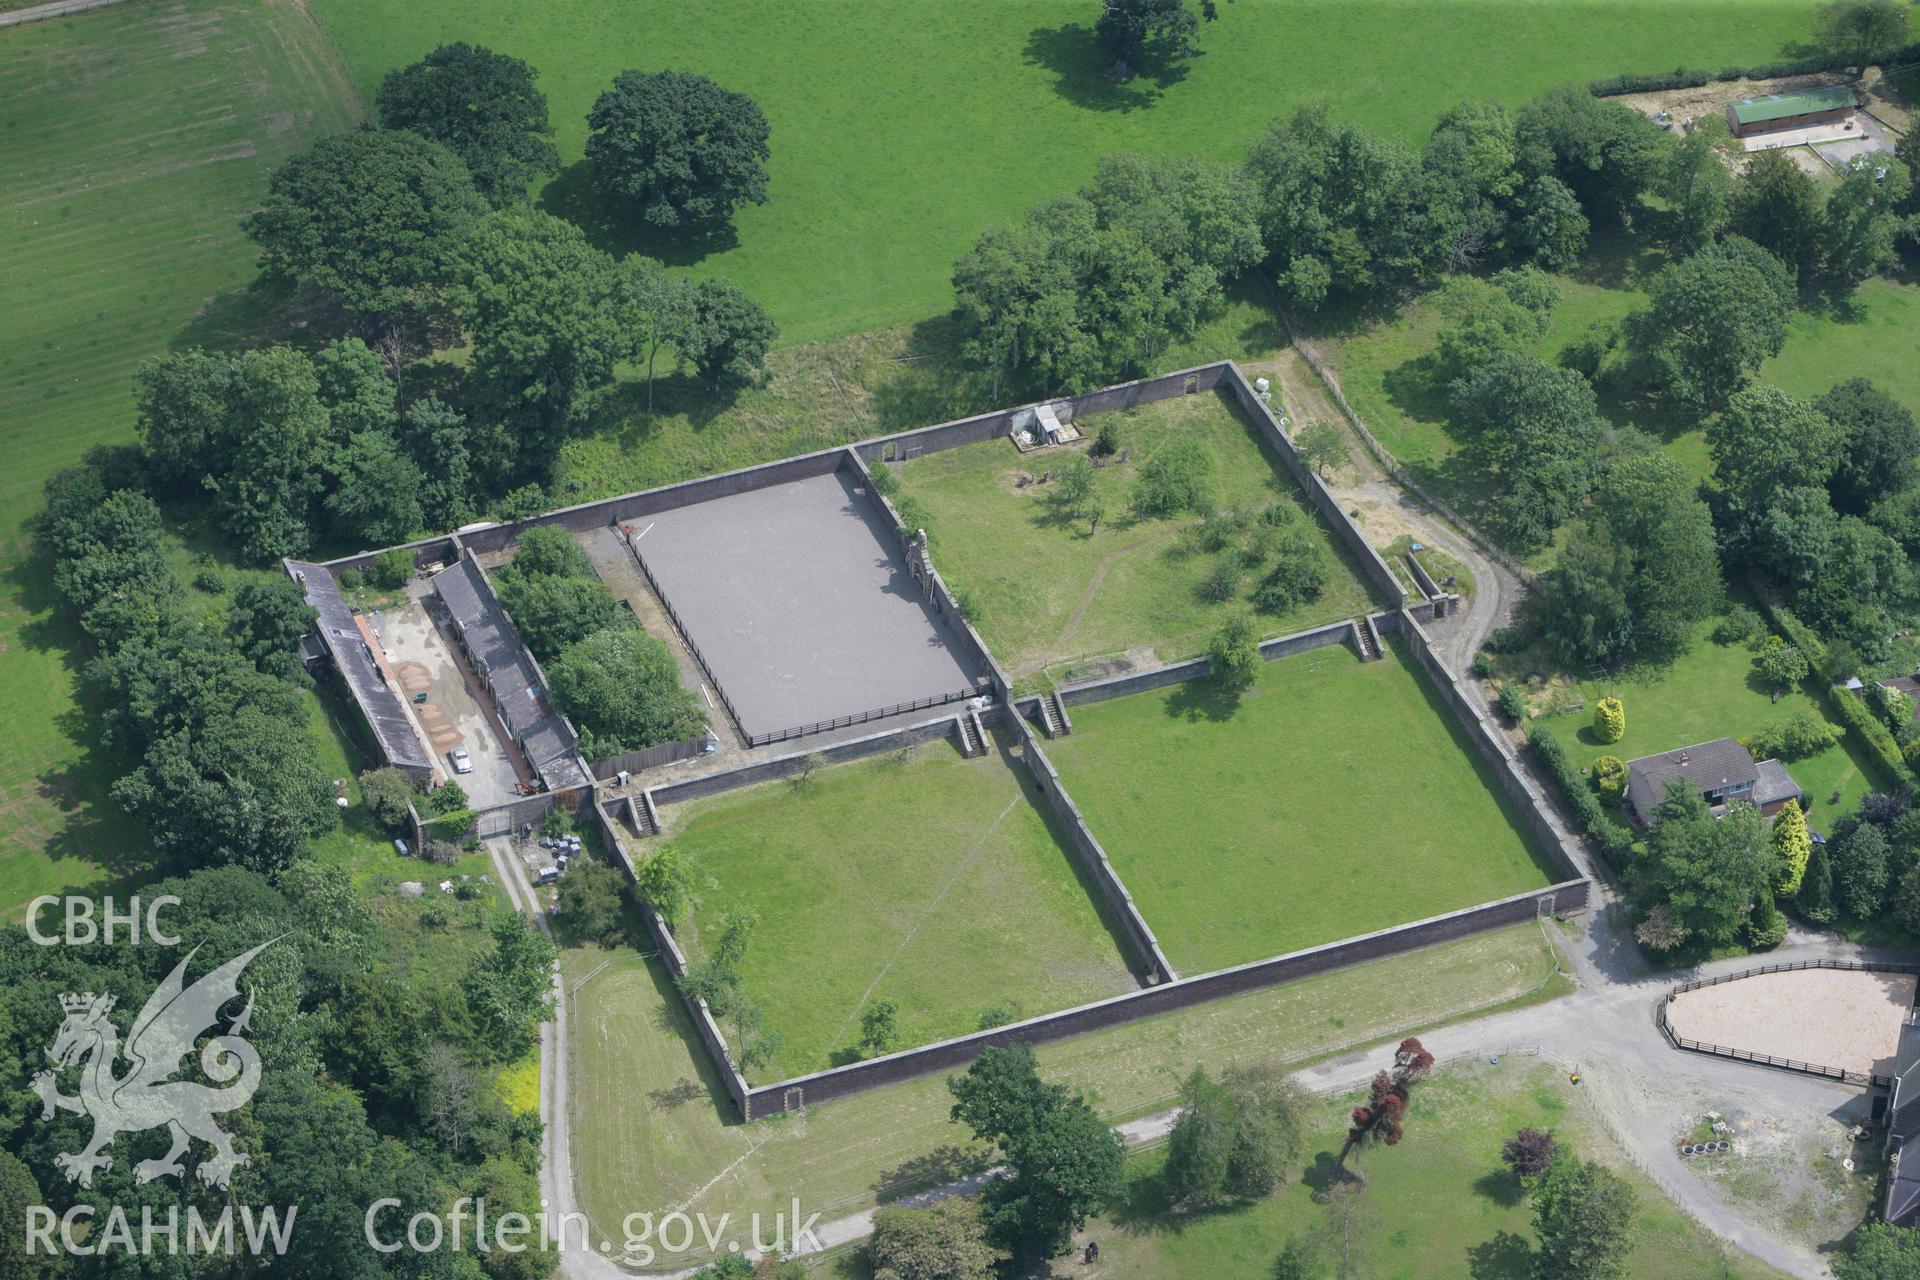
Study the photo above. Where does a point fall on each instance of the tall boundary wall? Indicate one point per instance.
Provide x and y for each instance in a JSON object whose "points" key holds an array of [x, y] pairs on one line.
{"points": [[840, 1082], [1169, 991], [1488, 739], [1093, 859]]}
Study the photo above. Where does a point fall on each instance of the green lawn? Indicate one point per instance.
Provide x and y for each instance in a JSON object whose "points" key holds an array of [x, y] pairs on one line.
{"points": [[934, 882], [1047, 594], [1337, 798], [901, 130], [1709, 693], [1875, 334], [1438, 1205], [135, 139], [649, 1132]]}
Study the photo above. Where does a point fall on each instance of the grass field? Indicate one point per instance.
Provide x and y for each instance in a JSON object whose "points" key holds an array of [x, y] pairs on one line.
{"points": [[649, 1133], [1049, 594], [135, 139], [1709, 693], [1338, 797], [901, 130], [934, 882], [1404, 1228]]}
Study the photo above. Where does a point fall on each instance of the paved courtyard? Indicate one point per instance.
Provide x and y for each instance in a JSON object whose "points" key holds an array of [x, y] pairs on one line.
{"points": [[452, 715], [799, 604], [1828, 1017]]}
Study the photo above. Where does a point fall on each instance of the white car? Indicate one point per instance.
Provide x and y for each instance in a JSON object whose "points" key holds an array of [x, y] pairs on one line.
{"points": [[462, 762]]}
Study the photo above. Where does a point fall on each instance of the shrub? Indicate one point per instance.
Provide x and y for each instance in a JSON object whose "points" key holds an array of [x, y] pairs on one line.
{"points": [[999, 1015], [1780, 665], [1739, 626], [1609, 720], [210, 581], [1893, 706], [386, 792], [1222, 579], [350, 579], [1482, 664], [1800, 735], [1298, 574], [914, 515], [445, 798], [1859, 717], [1613, 839], [1177, 478], [885, 482], [1217, 531], [1233, 656], [1766, 928], [1513, 703], [1107, 443], [1609, 775], [390, 569], [1793, 844], [452, 826]]}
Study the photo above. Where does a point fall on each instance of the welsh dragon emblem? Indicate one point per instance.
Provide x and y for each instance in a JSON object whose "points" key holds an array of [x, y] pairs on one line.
{"points": [[145, 1096]]}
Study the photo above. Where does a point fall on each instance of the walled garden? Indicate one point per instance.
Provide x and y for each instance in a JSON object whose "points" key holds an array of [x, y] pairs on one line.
{"points": [[1336, 797], [1054, 589], [920, 879]]}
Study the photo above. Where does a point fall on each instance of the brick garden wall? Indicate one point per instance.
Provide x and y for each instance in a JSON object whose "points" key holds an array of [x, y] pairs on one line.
{"points": [[1088, 852], [1184, 993], [787, 766], [1195, 668], [1491, 743]]}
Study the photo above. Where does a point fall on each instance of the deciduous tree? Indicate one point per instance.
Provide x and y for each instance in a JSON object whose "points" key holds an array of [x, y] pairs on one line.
{"points": [[540, 305], [369, 215], [1583, 1214], [1323, 446], [622, 687], [266, 621], [1066, 1162], [480, 105], [1710, 321], [947, 1240], [1380, 1120], [1862, 31], [682, 150], [1233, 655]]}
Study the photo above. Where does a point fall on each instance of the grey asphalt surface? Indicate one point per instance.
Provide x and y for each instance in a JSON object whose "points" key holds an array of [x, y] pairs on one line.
{"points": [[799, 604]]}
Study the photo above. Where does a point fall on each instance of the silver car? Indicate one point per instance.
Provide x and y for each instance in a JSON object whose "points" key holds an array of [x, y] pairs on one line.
{"points": [[462, 762]]}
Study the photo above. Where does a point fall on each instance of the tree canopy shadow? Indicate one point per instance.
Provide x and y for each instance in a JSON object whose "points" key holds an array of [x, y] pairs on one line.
{"points": [[264, 312], [943, 1164], [619, 229], [1072, 53], [930, 382], [1504, 1256], [1202, 699], [1499, 1186]]}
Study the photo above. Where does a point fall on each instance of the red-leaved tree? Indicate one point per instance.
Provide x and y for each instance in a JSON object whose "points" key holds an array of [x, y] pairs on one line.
{"points": [[1379, 1121]]}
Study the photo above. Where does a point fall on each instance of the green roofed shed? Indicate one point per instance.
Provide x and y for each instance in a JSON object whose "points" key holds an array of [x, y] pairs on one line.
{"points": [[1780, 109]]}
